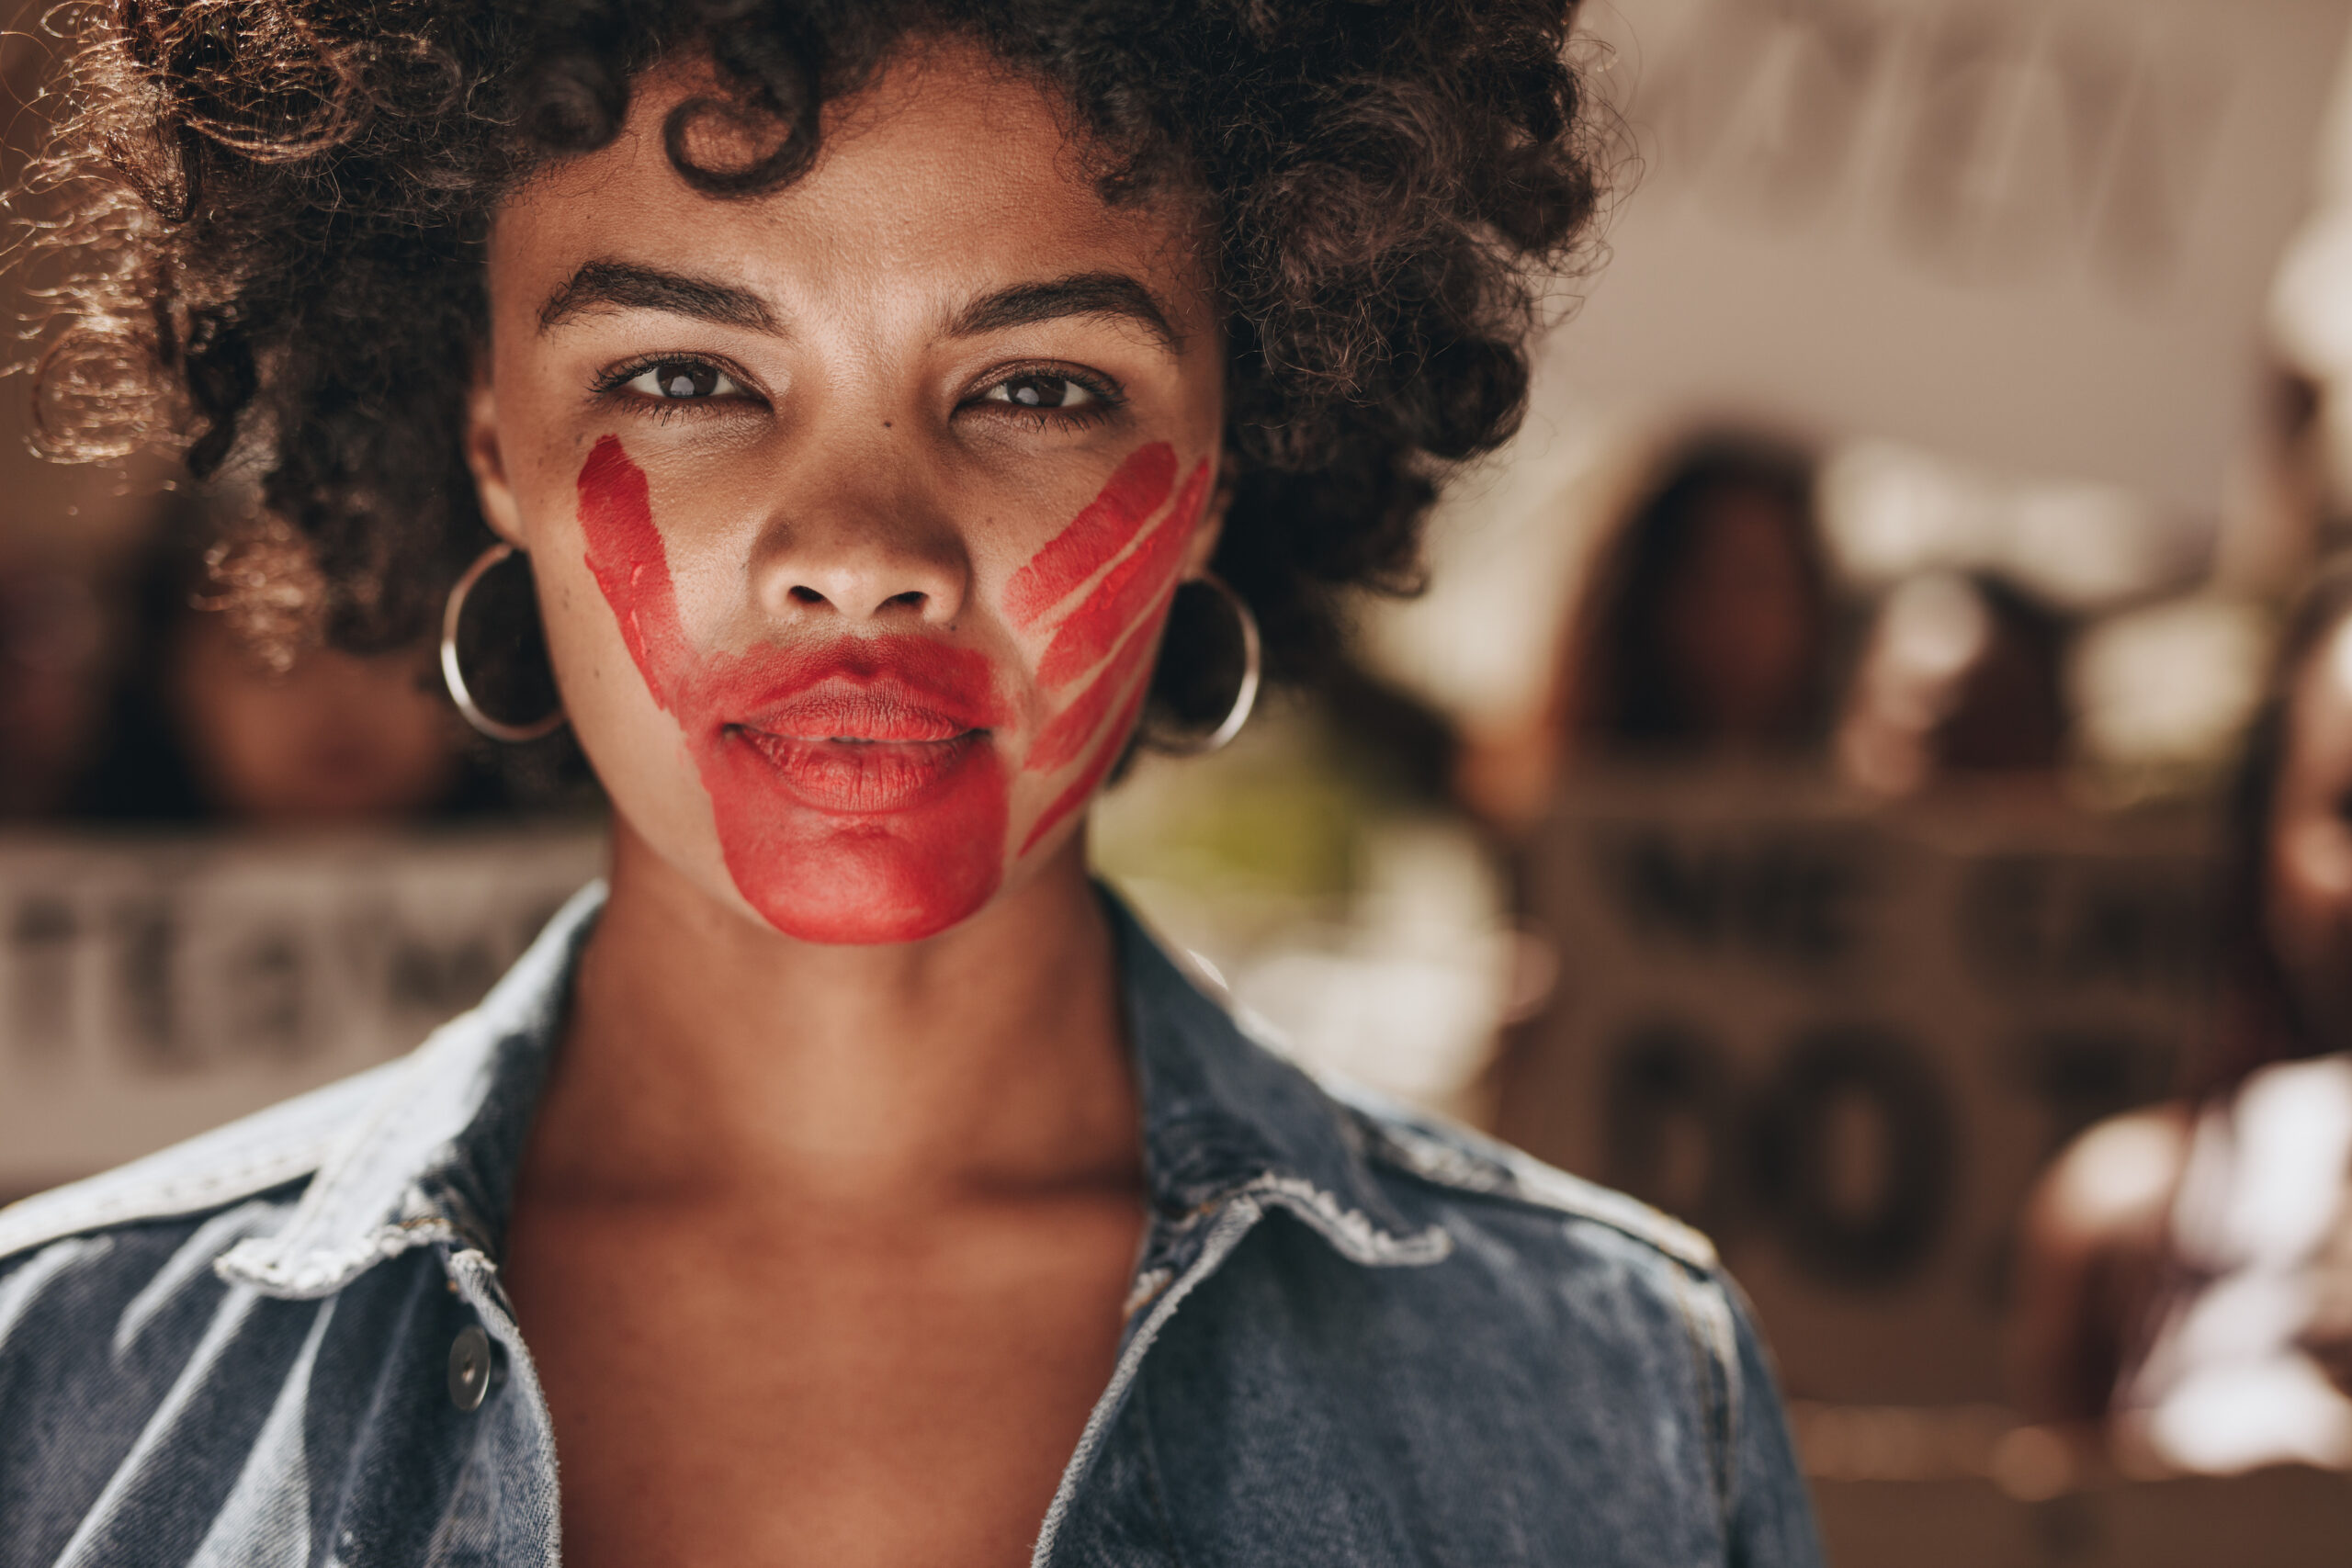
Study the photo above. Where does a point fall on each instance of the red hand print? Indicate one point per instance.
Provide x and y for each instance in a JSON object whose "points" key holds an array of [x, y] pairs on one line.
{"points": [[858, 793], [1131, 599], [856, 787], [1095, 535]]}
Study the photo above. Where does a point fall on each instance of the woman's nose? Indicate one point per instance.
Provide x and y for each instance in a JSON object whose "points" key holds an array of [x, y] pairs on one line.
{"points": [[862, 565]]}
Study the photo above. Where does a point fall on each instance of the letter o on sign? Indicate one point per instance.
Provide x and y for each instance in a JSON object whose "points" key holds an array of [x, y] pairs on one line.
{"points": [[1837, 1076], [1664, 1078]]}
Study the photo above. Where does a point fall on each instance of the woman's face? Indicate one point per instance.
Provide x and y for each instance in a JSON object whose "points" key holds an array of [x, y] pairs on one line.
{"points": [[2310, 881], [855, 508], [339, 738], [1740, 619]]}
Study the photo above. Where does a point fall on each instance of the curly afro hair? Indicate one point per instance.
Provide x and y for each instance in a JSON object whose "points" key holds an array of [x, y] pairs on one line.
{"points": [[265, 219]]}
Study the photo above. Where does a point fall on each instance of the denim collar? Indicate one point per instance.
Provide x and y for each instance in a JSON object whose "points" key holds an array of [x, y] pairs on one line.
{"points": [[1224, 1116], [433, 1160]]}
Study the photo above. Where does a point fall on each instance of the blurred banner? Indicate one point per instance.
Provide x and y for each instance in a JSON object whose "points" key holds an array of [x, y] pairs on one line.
{"points": [[153, 987], [2034, 236], [1842, 1042]]}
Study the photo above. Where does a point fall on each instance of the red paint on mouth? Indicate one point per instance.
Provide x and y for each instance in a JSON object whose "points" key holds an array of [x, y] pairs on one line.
{"points": [[857, 786], [865, 725], [1127, 593], [1095, 535]]}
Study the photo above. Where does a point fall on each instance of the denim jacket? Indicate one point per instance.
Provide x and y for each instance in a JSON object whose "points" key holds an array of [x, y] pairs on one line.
{"points": [[1354, 1336]]}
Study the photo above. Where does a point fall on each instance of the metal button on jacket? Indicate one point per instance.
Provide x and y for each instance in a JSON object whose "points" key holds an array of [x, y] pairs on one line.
{"points": [[469, 1366]]}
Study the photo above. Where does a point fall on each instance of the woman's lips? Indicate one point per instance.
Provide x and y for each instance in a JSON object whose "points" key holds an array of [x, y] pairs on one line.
{"points": [[884, 710], [861, 776], [857, 746]]}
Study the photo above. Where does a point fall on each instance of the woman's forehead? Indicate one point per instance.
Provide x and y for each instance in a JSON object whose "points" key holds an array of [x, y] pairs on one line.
{"points": [[949, 168]]}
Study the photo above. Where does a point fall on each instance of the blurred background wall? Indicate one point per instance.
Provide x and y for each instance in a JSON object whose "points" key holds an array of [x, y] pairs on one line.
{"points": [[1813, 793]]}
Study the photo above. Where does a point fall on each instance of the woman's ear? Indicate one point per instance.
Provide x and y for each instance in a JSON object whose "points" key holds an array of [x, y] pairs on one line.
{"points": [[1202, 549], [489, 465]]}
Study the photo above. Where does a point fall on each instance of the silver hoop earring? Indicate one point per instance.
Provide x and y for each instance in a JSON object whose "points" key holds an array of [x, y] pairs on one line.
{"points": [[454, 677], [1252, 668]]}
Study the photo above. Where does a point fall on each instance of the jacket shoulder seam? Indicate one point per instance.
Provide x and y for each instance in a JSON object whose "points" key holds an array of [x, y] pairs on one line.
{"points": [[1464, 1161], [122, 1198], [280, 1144]]}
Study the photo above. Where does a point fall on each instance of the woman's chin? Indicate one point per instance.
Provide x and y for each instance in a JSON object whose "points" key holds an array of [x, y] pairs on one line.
{"points": [[858, 928], [862, 878], [866, 894]]}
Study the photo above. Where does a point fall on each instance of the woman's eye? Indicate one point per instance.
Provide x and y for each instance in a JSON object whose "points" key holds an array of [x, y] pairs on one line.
{"points": [[1041, 392], [675, 379]]}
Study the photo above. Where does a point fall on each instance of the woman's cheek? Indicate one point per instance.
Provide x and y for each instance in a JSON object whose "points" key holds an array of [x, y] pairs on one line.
{"points": [[1096, 597], [638, 750]]}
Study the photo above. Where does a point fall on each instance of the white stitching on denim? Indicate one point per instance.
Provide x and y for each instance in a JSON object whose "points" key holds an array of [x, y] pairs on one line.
{"points": [[1144, 1292], [352, 1180], [22, 1227], [320, 1271], [139, 1192], [1358, 1239], [1507, 1173]]}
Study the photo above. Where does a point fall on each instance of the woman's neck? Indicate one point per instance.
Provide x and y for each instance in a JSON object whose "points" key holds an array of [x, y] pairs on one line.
{"points": [[709, 1058]]}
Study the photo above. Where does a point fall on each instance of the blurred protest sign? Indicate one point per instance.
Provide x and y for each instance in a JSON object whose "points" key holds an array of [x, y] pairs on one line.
{"points": [[1843, 1041], [152, 988], [2037, 237], [2272, 1519]]}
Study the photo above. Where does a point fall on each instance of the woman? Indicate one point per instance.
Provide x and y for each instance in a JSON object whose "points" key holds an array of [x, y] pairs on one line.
{"points": [[853, 1182], [1708, 628], [2185, 1268], [1704, 631], [213, 721]]}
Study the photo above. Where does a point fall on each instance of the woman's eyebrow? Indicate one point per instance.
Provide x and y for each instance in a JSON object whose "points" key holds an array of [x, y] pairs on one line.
{"points": [[1081, 293], [613, 284]]}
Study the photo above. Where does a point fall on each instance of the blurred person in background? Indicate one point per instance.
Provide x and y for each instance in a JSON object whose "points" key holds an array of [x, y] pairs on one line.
{"points": [[850, 1177], [1705, 632], [224, 714], [2186, 1270], [1962, 679], [53, 668]]}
